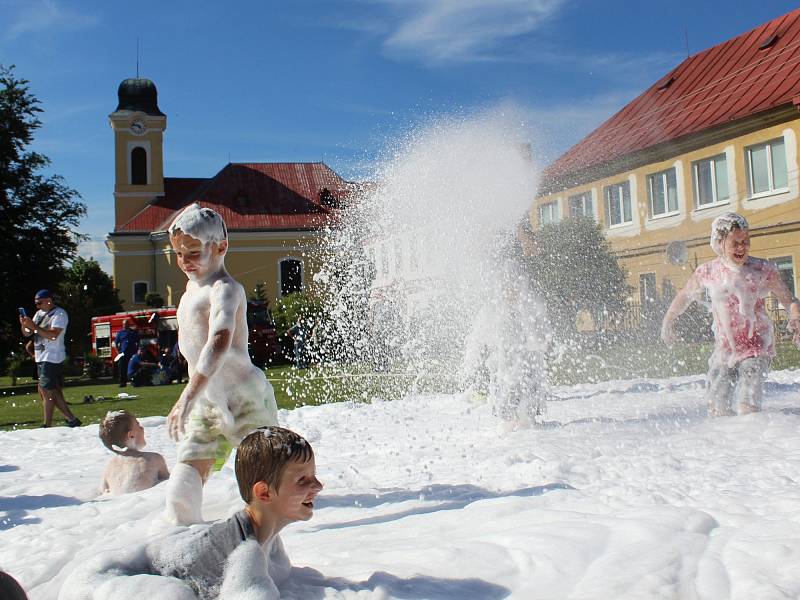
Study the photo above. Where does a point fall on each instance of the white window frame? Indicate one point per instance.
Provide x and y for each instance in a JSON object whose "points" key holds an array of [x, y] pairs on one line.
{"points": [[621, 186], [717, 201], [302, 274], [552, 208], [146, 290], [664, 176], [583, 198], [643, 289], [770, 176]]}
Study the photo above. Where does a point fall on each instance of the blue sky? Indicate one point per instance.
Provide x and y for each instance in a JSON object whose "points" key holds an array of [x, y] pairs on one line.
{"points": [[337, 80]]}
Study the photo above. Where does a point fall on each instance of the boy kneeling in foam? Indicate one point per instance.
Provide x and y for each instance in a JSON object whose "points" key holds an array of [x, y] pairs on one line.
{"points": [[131, 470], [237, 559]]}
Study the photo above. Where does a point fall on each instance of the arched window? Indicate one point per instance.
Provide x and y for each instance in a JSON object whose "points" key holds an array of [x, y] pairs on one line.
{"points": [[291, 273], [138, 166]]}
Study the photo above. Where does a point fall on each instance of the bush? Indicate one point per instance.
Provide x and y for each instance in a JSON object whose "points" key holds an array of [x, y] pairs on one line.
{"points": [[19, 364], [94, 367], [154, 300]]}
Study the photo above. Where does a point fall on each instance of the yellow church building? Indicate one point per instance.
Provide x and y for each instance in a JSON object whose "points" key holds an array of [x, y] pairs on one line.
{"points": [[718, 133], [275, 212]]}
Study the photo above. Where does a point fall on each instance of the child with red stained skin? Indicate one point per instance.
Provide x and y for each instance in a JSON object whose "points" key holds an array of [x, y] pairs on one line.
{"points": [[736, 284]]}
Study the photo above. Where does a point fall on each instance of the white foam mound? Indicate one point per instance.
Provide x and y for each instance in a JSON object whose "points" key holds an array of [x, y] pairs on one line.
{"points": [[628, 490]]}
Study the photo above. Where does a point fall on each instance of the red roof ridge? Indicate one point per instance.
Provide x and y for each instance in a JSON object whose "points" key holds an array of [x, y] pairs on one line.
{"points": [[733, 80], [730, 90]]}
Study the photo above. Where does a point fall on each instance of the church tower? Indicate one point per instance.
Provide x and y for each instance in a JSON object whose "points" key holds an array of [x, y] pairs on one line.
{"points": [[138, 127]]}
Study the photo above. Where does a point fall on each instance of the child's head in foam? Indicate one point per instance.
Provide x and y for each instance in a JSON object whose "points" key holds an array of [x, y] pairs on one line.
{"points": [[276, 473], [120, 431], [730, 238], [200, 240]]}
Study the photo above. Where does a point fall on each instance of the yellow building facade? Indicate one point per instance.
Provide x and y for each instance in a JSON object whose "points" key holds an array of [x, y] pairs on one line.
{"points": [[717, 134], [667, 247], [274, 211]]}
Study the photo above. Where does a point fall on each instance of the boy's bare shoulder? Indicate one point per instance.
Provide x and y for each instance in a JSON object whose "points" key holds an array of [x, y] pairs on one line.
{"points": [[227, 289], [152, 456]]}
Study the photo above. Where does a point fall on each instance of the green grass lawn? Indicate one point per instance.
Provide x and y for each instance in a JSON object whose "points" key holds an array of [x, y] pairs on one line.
{"points": [[22, 409], [20, 406]]}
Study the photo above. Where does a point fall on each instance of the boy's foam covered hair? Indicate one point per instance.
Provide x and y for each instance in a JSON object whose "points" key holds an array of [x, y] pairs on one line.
{"points": [[722, 226], [263, 456], [114, 429], [201, 223]]}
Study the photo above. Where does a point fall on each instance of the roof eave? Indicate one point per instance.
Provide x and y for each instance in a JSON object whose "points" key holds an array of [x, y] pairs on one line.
{"points": [[670, 148]]}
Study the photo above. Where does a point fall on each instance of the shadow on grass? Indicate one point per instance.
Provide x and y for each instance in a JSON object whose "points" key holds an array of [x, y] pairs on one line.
{"points": [[310, 584], [448, 497]]}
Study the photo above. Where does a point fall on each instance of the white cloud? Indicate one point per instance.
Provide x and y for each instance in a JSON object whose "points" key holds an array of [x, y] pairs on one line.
{"points": [[34, 16], [96, 248], [446, 31]]}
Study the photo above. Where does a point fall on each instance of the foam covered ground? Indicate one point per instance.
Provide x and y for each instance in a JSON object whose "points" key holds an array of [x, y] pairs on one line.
{"points": [[628, 491]]}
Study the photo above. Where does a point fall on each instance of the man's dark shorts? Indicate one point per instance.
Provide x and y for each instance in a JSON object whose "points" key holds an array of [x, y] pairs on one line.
{"points": [[50, 377]]}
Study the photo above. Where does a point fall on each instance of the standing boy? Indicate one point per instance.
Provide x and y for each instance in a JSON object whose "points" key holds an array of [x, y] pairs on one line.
{"points": [[47, 328], [744, 345], [226, 394]]}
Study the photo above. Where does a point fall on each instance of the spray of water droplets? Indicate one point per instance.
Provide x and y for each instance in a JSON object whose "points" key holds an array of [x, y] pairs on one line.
{"points": [[427, 248]]}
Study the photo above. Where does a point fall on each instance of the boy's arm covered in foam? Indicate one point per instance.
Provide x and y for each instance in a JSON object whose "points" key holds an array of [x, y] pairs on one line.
{"points": [[225, 300], [677, 307]]}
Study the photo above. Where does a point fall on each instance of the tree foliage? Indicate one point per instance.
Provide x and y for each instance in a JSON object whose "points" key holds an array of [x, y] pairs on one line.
{"points": [[576, 270], [40, 213], [294, 306], [86, 291]]}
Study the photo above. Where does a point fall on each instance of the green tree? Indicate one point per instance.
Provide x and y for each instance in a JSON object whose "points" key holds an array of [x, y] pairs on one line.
{"points": [[153, 300], [576, 270], [86, 291], [40, 213], [260, 293], [294, 306]]}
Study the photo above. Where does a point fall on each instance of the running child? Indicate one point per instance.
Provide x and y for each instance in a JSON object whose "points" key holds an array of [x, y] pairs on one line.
{"points": [[744, 341], [131, 470], [226, 395]]}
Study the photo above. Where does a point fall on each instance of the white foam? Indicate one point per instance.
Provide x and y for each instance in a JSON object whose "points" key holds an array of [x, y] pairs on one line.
{"points": [[203, 224], [722, 226]]}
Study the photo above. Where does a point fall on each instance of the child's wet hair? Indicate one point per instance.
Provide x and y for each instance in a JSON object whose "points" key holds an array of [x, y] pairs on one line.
{"points": [[723, 225], [263, 456], [114, 429], [10, 589], [204, 224]]}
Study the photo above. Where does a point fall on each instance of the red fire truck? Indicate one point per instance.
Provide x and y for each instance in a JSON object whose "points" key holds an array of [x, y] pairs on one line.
{"points": [[158, 331]]}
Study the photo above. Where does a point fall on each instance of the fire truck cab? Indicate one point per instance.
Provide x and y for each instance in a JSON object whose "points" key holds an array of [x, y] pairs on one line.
{"points": [[158, 332]]}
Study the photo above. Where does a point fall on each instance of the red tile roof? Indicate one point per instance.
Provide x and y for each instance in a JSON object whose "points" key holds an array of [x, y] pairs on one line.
{"points": [[250, 196], [731, 81]]}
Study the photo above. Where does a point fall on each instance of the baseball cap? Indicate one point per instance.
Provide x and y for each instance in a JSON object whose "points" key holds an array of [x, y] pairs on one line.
{"points": [[45, 293]]}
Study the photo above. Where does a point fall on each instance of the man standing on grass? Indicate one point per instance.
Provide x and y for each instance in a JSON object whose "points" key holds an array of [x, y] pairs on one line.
{"points": [[47, 328], [127, 345]]}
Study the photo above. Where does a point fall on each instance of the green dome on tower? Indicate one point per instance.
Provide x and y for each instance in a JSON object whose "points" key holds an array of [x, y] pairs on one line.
{"points": [[139, 94]]}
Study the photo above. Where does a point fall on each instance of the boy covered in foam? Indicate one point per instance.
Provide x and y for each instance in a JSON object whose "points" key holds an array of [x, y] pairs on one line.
{"points": [[744, 343], [131, 469], [226, 395], [242, 558]]}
